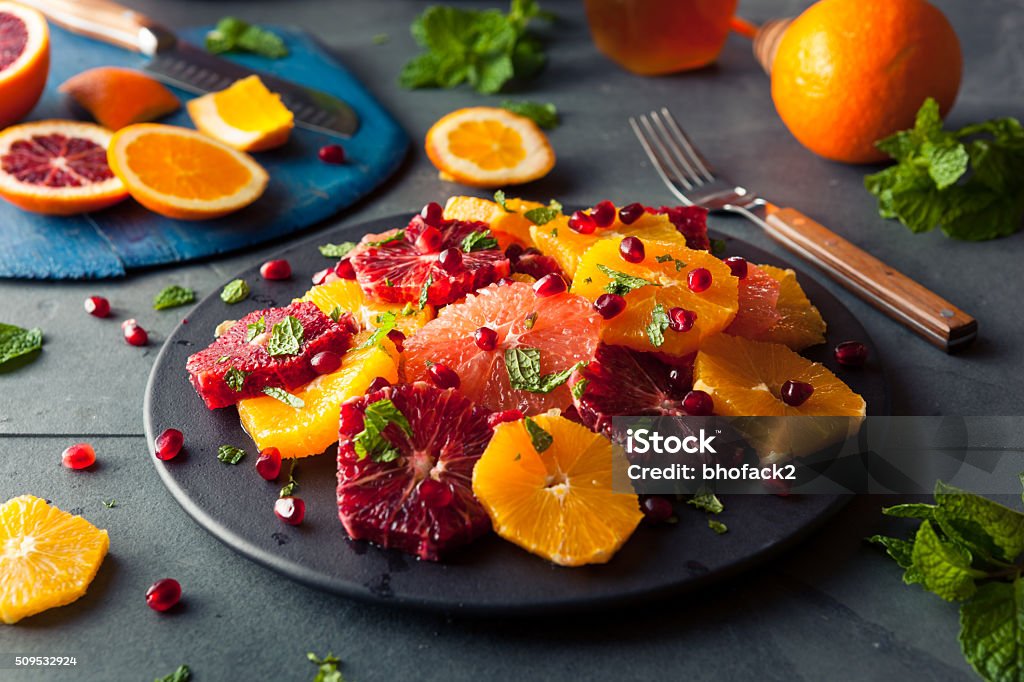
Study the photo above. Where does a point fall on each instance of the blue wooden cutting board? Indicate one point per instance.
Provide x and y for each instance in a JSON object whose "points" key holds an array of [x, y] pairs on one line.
{"points": [[302, 190]]}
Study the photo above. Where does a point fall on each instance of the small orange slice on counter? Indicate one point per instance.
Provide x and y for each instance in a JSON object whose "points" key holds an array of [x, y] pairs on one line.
{"points": [[246, 116], [118, 97]]}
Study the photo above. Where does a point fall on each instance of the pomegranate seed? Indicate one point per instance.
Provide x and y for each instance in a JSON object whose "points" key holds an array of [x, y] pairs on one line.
{"points": [[432, 214], [631, 213], [163, 594], [681, 320], [851, 354], [325, 362], [397, 338], [699, 280], [656, 509], [168, 444], [796, 393], [97, 306], [549, 285], [377, 384], [451, 260], [496, 418], [609, 305], [321, 276], [632, 250], [344, 269], [276, 269], [134, 335], [603, 214], [78, 456], [429, 240], [443, 376], [485, 338], [738, 266], [505, 281], [435, 494], [268, 464], [332, 153], [513, 252], [582, 223], [698, 404], [291, 510], [680, 381]]}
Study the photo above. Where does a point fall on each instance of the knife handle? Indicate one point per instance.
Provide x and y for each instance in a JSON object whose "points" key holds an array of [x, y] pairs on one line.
{"points": [[107, 21], [895, 294]]}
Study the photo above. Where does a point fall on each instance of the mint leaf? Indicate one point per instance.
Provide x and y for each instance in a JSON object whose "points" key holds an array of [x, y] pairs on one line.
{"points": [[579, 388], [543, 114], [717, 526], [543, 215], [398, 236], [425, 292], [235, 378], [946, 163], [16, 342], [254, 329], [987, 524], [109, 504], [335, 314], [945, 568], [234, 35], [285, 337], [657, 326], [621, 283], [992, 631], [235, 291], [172, 297], [530, 320], [284, 396], [911, 511], [478, 241], [385, 323], [900, 550], [182, 674], [706, 499], [229, 454], [370, 442], [523, 367], [327, 667], [499, 199], [668, 258], [289, 488], [540, 438], [336, 250]]}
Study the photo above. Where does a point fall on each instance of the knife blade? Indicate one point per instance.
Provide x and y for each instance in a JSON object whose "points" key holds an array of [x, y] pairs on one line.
{"points": [[180, 64]]}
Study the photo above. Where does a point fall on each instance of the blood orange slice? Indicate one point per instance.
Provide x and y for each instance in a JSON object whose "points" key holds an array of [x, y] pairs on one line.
{"points": [[758, 299], [405, 469], [557, 331], [24, 60], [58, 168]]}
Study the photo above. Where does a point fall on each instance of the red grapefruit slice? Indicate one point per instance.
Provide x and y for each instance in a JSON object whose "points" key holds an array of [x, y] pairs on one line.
{"points": [[758, 303], [24, 60]]}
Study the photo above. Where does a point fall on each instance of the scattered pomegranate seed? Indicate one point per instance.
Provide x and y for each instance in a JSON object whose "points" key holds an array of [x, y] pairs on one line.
{"points": [[291, 510], [496, 418], [325, 362], [698, 280], [78, 456], [680, 381], [656, 509], [485, 338], [168, 444], [134, 335], [377, 384], [738, 266], [163, 594], [582, 223], [603, 214], [344, 269], [851, 354], [332, 153], [429, 240], [443, 376], [97, 306], [796, 393], [451, 260], [681, 320], [549, 285], [268, 464], [432, 214], [698, 404], [631, 213], [609, 305], [435, 494], [632, 250], [276, 269], [321, 276], [397, 338]]}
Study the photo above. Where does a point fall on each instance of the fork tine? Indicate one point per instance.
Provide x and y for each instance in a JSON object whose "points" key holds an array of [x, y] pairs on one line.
{"points": [[672, 143], [685, 142], [668, 158], [656, 160]]}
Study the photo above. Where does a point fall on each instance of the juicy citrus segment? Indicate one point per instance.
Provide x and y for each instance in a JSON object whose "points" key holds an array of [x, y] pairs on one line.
{"points": [[311, 429], [246, 116], [347, 296], [667, 266], [565, 245], [489, 147], [47, 557], [118, 97], [183, 174], [24, 60], [800, 324], [507, 225], [559, 503], [758, 302]]}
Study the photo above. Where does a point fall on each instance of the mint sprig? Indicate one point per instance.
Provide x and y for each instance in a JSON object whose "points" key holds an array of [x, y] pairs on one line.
{"points": [[543, 215], [235, 291], [181, 674], [285, 337], [370, 442], [16, 342], [327, 667], [173, 296], [541, 439], [657, 326], [235, 379], [229, 454], [479, 241], [523, 366], [544, 114], [234, 35], [336, 250], [385, 323], [254, 329], [284, 396], [621, 283]]}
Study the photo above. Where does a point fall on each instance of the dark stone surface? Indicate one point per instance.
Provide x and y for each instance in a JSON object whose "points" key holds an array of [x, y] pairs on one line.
{"points": [[832, 608]]}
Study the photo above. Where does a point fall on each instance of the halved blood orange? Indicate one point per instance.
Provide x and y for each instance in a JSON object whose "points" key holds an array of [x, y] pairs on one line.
{"points": [[58, 168], [24, 60], [800, 325]]}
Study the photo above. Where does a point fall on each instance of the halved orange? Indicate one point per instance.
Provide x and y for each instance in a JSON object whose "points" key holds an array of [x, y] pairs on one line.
{"points": [[47, 557], [118, 97], [800, 325], [246, 116], [557, 503], [507, 225], [489, 147], [24, 60], [347, 296], [183, 174]]}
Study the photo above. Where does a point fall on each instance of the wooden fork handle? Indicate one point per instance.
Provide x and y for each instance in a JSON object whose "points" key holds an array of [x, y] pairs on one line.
{"points": [[107, 21], [892, 292]]}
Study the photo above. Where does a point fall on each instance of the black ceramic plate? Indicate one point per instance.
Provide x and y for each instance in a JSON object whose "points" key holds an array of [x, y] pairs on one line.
{"points": [[491, 575]]}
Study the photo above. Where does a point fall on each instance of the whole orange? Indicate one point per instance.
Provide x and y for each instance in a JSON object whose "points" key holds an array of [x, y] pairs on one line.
{"points": [[847, 74]]}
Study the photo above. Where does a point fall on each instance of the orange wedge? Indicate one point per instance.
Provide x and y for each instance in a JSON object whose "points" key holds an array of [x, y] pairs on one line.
{"points": [[183, 174], [507, 225], [24, 60], [118, 97], [348, 297], [47, 557], [489, 147], [800, 325], [245, 116], [557, 503]]}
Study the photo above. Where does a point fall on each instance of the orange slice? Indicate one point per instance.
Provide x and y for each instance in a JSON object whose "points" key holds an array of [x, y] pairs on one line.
{"points": [[347, 296], [489, 147], [183, 174], [800, 325], [24, 60], [558, 503], [118, 97], [47, 557], [245, 116], [666, 267], [507, 225]]}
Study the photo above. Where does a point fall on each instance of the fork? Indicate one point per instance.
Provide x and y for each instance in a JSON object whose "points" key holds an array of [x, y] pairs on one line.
{"points": [[689, 177]]}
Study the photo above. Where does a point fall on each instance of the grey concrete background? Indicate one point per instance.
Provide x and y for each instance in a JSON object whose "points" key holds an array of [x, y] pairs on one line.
{"points": [[833, 609]]}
